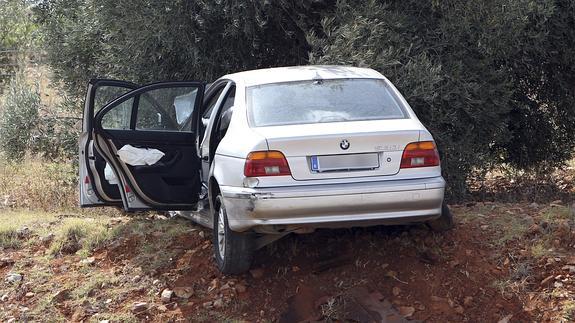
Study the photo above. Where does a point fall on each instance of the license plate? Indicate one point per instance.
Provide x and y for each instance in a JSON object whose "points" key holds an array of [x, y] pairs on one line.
{"points": [[333, 163]]}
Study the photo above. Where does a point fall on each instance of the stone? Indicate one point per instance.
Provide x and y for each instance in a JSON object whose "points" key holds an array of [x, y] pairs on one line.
{"points": [[556, 203], [5, 261], [257, 273], [183, 292], [506, 319], [569, 268], [167, 295], [219, 303], [139, 307], [23, 232], [88, 261], [396, 291], [214, 284], [534, 229], [61, 296], [438, 299], [47, 238], [406, 311], [240, 288], [4, 298], [30, 294], [14, 278], [547, 281], [162, 308]]}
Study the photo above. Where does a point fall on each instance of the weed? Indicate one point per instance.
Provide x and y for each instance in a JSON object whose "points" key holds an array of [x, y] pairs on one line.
{"points": [[568, 311], [331, 311], [509, 227], [540, 249], [554, 213], [80, 234], [11, 221], [9, 238]]}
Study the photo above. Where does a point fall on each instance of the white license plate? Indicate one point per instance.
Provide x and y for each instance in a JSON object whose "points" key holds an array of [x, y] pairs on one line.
{"points": [[333, 163]]}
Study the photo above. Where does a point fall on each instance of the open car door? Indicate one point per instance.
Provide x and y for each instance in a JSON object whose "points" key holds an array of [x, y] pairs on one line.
{"points": [[153, 119], [94, 189]]}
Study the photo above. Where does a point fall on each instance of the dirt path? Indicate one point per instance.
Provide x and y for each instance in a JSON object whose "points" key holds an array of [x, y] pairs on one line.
{"points": [[502, 263]]}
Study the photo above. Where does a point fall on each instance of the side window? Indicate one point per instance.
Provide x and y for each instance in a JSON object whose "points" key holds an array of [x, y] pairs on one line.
{"points": [[212, 103], [165, 109], [159, 108], [225, 115], [105, 95], [119, 117]]}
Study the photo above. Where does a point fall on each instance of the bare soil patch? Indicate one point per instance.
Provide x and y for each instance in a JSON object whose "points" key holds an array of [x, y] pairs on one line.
{"points": [[502, 262]]}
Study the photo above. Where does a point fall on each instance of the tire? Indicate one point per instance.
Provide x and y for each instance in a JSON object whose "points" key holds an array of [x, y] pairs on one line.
{"points": [[444, 222], [233, 251]]}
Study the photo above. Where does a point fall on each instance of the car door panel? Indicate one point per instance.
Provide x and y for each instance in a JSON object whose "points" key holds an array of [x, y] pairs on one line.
{"points": [[168, 180], [94, 189], [172, 183]]}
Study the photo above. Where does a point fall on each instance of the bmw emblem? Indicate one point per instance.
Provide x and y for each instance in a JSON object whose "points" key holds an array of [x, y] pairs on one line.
{"points": [[344, 144]]}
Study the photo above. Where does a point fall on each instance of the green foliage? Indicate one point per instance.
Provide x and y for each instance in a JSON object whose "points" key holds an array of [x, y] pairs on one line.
{"points": [[56, 135], [17, 32], [144, 41], [493, 80], [28, 126], [18, 118], [473, 72]]}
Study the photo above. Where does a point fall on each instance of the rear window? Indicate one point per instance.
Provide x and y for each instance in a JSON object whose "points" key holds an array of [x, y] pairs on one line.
{"points": [[321, 101]]}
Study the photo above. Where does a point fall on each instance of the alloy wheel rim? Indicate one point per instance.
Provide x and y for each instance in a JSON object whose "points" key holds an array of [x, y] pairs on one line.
{"points": [[221, 233]]}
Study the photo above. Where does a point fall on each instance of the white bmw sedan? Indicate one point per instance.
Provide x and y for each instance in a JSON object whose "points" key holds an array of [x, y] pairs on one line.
{"points": [[263, 153]]}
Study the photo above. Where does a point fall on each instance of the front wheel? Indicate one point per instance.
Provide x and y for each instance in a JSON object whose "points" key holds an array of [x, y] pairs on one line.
{"points": [[233, 250], [444, 222]]}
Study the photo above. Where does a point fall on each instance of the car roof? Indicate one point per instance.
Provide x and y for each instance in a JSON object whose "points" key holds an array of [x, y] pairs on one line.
{"points": [[301, 73]]}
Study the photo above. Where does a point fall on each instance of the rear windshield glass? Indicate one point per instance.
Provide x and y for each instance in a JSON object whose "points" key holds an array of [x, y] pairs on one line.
{"points": [[322, 101]]}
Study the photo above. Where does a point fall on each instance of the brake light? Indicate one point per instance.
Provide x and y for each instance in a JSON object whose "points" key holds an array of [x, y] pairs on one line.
{"points": [[266, 163], [420, 154]]}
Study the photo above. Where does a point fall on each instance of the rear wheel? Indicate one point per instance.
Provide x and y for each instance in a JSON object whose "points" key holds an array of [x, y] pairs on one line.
{"points": [[444, 222], [233, 250]]}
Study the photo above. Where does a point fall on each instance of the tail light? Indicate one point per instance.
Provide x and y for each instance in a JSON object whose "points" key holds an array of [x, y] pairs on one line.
{"points": [[266, 163], [420, 154]]}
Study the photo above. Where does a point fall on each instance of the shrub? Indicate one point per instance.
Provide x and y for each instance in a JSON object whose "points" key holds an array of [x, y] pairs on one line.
{"points": [[478, 74], [18, 118], [40, 185]]}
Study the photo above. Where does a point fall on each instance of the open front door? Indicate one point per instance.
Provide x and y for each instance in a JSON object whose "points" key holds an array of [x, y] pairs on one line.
{"points": [[95, 190], [163, 119]]}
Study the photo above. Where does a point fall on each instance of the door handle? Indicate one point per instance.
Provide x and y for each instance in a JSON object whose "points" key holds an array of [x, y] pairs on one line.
{"points": [[205, 158]]}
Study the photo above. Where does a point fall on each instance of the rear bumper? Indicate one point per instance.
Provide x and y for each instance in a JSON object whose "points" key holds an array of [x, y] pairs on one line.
{"points": [[333, 206]]}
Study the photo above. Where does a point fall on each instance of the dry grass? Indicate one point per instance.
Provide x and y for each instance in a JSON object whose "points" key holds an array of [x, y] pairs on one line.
{"points": [[38, 185], [81, 235], [45, 186], [13, 220]]}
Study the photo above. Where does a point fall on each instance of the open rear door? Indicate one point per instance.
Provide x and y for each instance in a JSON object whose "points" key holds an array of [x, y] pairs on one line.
{"points": [[94, 189], [163, 119]]}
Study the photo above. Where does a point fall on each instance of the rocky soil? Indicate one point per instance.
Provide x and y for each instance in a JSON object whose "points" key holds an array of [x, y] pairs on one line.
{"points": [[501, 263]]}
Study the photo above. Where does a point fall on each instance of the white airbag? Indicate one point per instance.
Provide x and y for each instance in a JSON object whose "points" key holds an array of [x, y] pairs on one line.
{"points": [[139, 156], [110, 175]]}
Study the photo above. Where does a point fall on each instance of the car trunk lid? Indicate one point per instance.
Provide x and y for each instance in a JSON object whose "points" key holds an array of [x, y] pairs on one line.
{"points": [[343, 149]]}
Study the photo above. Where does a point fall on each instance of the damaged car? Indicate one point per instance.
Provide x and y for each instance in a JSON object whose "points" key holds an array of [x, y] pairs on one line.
{"points": [[260, 154]]}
